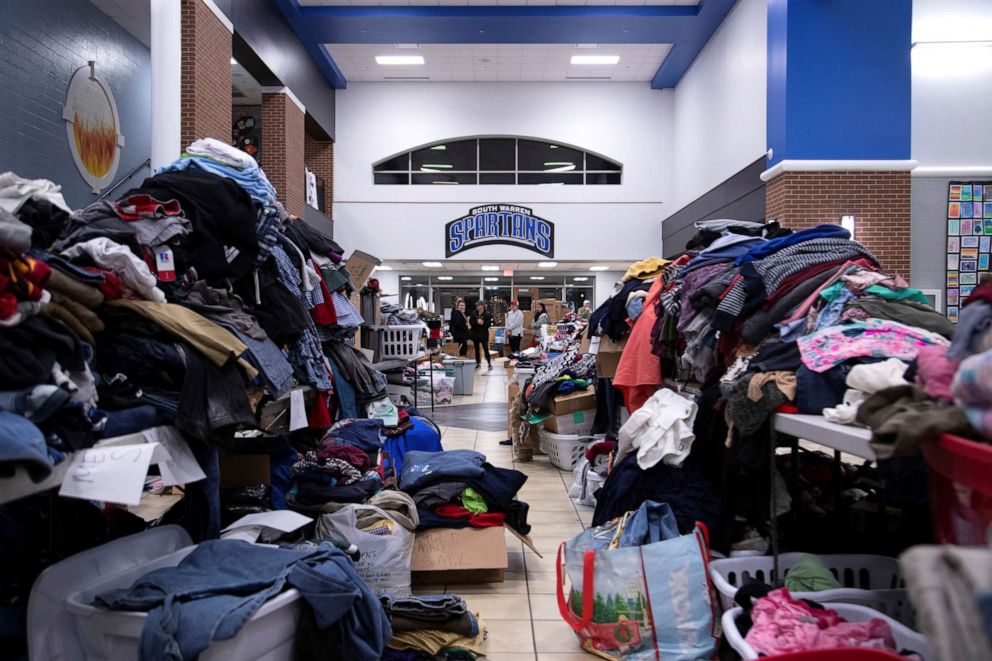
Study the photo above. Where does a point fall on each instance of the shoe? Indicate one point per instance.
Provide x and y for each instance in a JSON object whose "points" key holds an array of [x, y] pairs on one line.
{"points": [[478, 366], [506, 441], [752, 545], [490, 368]]}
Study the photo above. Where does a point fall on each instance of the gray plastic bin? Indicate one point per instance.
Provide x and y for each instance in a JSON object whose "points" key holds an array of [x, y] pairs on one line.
{"points": [[464, 376]]}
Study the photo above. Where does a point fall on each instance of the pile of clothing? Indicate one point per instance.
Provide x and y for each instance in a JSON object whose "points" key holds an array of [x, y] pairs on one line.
{"points": [[459, 489], [215, 590], [396, 315], [778, 624], [333, 472], [756, 319], [432, 627]]}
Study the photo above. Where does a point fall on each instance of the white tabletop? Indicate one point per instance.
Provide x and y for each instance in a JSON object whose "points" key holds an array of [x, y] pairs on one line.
{"points": [[816, 428]]}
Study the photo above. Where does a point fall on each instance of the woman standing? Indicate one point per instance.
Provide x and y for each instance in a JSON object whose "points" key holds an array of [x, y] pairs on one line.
{"points": [[542, 317], [458, 324], [479, 324], [515, 326]]}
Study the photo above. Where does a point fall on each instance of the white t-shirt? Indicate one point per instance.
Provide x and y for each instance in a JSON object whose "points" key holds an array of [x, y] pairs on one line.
{"points": [[515, 323]]}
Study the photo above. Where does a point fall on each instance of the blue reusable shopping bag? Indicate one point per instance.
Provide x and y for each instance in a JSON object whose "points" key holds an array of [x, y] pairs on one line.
{"points": [[639, 589]]}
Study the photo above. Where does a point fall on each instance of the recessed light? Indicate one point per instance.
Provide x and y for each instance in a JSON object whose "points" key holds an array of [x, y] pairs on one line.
{"points": [[432, 265], [492, 279], [547, 265], [399, 59], [490, 267], [406, 278], [383, 268], [537, 277], [445, 277], [595, 59], [599, 268]]}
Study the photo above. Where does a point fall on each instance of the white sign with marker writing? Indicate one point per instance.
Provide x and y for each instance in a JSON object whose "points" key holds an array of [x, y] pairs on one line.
{"points": [[114, 474], [297, 410], [182, 467]]}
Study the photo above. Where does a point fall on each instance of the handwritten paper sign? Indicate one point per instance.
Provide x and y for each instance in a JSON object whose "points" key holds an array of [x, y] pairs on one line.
{"points": [[182, 467], [114, 474]]}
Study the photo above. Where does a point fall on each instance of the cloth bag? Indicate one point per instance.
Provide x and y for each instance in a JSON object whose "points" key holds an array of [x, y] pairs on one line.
{"points": [[386, 556], [639, 589]]}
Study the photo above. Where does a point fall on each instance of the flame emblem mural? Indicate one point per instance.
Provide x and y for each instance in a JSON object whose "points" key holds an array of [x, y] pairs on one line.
{"points": [[93, 128]]}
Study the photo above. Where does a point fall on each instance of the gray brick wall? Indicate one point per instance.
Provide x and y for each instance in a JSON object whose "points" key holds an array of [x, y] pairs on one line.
{"points": [[928, 232], [42, 42]]}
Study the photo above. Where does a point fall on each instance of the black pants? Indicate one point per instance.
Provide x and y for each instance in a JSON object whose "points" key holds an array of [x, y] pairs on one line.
{"points": [[515, 343], [462, 348], [481, 348]]}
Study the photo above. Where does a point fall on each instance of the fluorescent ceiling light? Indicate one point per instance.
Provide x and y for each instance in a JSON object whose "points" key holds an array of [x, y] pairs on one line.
{"points": [[599, 268], [547, 265], [595, 59], [442, 166], [490, 267], [399, 59], [580, 278], [439, 148], [432, 265], [406, 278], [561, 168], [448, 183], [383, 268], [445, 277], [492, 279], [537, 277]]}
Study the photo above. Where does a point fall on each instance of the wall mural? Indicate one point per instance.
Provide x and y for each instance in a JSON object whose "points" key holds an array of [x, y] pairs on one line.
{"points": [[93, 128], [969, 240]]}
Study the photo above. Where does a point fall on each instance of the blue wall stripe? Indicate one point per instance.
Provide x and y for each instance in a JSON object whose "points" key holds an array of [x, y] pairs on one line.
{"points": [[689, 28]]}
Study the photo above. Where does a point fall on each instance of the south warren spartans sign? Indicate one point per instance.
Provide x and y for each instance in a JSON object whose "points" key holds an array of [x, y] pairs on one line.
{"points": [[500, 224]]}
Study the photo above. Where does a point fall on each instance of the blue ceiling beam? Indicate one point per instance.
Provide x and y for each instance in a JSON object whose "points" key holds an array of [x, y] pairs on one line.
{"points": [[688, 28]]}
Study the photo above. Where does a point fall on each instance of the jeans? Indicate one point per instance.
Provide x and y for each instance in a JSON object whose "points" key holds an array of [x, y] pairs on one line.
{"points": [[515, 343], [217, 588], [130, 421], [446, 612], [482, 347], [652, 522], [423, 468]]}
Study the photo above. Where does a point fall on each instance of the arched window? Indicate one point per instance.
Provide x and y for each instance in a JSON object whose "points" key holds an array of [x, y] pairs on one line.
{"points": [[505, 160]]}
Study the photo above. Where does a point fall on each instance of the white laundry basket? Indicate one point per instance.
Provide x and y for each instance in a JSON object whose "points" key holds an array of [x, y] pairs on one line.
{"points": [[564, 450], [905, 638], [874, 581], [399, 342]]}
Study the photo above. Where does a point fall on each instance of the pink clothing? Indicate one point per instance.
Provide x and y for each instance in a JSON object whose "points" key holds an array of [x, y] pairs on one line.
{"points": [[935, 372], [782, 625], [879, 338], [639, 370], [861, 280]]}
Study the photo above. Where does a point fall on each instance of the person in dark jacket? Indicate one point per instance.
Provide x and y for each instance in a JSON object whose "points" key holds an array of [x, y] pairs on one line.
{"points": [[458, 324], [479, 323]]}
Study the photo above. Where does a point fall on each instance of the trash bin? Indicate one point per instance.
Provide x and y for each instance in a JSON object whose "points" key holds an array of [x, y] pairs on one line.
{"points": [[464, 376]]}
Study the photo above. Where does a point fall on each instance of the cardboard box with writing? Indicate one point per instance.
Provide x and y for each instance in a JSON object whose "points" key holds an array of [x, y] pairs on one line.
{"points": [[573, 413], [462, 555], [359, 267], [579, 400], [608, 357]]}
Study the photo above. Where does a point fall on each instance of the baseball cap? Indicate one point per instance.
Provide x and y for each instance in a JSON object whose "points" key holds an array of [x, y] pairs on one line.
{"points": [[21, 442]]}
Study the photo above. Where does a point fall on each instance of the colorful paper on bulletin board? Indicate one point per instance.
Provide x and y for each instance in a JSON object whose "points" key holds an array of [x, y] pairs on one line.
{"points": [[969, 240]]}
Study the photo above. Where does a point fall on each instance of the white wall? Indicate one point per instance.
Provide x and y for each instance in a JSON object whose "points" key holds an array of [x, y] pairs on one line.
{"points": [[720, 105], [628, 122], [604, 285], [389, 283], [952, 84]]}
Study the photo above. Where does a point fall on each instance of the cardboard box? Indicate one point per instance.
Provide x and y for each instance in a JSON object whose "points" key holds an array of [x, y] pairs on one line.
{"points": [[462, 555], [359, 267], [510, 366], [576, 422], [451, 348], [512, 392], [554, 307], [585, 345], [608, 357], [577, 401], [528, 319]]}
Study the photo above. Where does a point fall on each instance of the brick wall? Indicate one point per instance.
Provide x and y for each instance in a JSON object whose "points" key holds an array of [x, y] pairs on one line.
{"points": [[319, 157], [206, 71], [42, 42], [283, 131], [880, 202]]}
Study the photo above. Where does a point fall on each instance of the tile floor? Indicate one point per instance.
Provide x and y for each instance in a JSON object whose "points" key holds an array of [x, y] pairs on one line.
{"points": [[521, 614]]}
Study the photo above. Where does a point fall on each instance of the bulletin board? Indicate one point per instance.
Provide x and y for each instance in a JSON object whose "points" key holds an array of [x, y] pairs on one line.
{"points": [[969, 240]]}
